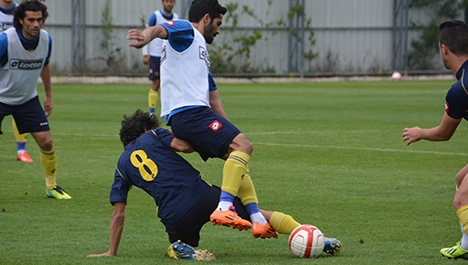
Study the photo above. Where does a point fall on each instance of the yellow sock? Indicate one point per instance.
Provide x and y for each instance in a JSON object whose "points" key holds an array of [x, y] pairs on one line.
{"points": [[49, 163], [152, 99], [246, 191], [234, 168], [283, 223], [462, 214], [19, 137]]}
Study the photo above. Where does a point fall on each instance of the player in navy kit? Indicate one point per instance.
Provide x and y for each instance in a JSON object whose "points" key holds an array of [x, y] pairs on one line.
{"points": [[191, 105], [184, 200], [24, 56], [6, 21], [152, 51], [453, 46]]}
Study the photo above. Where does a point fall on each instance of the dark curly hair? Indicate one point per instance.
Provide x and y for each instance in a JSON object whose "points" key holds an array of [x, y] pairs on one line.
{"points": [[199, 8], [28, 5], [136, 125]]}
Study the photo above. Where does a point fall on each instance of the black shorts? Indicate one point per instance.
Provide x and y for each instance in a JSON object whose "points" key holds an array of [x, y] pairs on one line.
{"points": [[187, 229], [29, 116], [209, 133], [154, 64]]}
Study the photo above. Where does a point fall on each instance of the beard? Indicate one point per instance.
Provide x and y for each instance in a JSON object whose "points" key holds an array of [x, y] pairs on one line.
{"points": [[209, 33]]}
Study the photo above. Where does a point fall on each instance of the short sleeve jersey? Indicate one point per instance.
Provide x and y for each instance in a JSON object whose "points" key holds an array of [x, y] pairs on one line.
{"points": [[150, 164], [456, 100]]}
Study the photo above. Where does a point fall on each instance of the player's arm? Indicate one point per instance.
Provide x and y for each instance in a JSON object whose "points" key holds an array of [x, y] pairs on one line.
{"points": [[144, 37], [151, 22], [443, 132], [48, 103], [116, 228], [215, 101], [45, 76]]}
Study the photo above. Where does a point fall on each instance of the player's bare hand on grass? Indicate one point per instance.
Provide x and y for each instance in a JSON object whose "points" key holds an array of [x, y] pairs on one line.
{"points": [[411, 135]]}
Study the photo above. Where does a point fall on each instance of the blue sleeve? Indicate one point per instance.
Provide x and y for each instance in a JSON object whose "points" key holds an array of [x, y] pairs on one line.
{"points": [[119, 189], [456, 104], [151, 20], [50, 51], [3, 49], [211, 83], [164, 136], [180, 34]]}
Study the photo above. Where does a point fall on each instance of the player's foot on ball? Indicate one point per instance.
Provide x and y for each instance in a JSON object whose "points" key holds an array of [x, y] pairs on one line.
{"points": [[58, 193], [24, 157], [331, 245], [455, 252], [229, 218], [180, 250], [263, 231]]}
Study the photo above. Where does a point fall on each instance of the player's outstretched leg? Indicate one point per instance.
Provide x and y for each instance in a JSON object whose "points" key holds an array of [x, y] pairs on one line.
{"points": [[332, 246], [455, 252], [229, 218], [181, 250]]}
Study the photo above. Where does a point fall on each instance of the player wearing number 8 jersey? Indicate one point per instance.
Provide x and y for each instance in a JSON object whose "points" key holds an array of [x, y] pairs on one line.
{"points": [[185, 201]]}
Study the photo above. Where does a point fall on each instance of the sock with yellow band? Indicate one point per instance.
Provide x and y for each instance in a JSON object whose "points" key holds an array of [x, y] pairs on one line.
{"points": [[152, 100], [20, 138], [283, 223], [234, 169], [49, 163], [248, 197]]}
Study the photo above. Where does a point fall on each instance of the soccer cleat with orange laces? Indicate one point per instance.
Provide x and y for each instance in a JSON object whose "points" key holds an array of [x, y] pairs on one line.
{"points": [[24, 157], [229, 218], [263, 231]]}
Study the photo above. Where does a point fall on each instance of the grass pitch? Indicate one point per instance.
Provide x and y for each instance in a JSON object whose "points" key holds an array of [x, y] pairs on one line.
{"points": [[329, 154]]}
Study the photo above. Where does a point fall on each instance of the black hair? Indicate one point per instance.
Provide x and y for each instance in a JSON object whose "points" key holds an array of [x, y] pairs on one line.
{"points": [[28, 5], [454, 35], [137, 124], [199, 8]]}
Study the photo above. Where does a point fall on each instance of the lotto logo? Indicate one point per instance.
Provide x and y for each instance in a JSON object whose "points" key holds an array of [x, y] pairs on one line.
{"points": [[19, 64], [204, 56], [215, 126], [4, 26]]}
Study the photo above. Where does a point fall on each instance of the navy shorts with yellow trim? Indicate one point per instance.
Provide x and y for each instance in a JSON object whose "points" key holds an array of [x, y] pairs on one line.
{"points": [[29, 116], [209, 133], [154, 65]]}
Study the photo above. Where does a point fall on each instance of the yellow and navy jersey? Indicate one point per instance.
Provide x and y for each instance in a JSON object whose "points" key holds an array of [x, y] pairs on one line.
{"points": [[150, 164], [456, 100]]}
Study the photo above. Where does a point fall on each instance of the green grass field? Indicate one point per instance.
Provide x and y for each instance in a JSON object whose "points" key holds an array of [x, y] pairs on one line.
{"points": [[329, 154]]}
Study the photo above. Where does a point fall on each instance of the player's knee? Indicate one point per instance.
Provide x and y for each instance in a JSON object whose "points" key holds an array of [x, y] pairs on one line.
{"points": [[241, 143], [46, 144]]}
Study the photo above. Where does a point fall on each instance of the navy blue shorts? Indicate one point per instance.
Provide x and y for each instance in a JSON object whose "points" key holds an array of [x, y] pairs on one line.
{"points": [[188, 227], [209, 133], [29, 117], [154, 63]]}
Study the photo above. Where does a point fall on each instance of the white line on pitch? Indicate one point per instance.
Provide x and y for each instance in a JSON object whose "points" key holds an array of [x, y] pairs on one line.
{"points": [[364, 148]]}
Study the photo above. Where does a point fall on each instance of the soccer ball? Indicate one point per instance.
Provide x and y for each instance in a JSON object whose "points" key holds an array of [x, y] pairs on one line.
{"points": [[396, 76], [306, 241]]}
